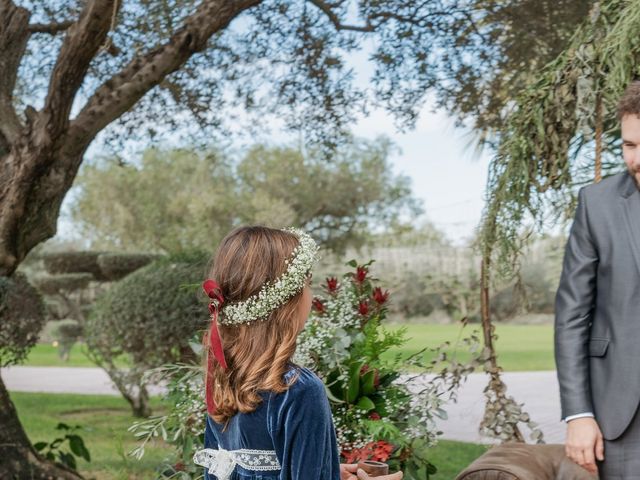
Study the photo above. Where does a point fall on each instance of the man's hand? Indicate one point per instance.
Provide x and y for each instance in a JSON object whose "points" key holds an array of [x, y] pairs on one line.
{"points": [[584, 443]]}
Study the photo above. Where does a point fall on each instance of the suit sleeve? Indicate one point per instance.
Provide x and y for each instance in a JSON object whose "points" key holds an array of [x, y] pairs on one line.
{"points": [[574, 303], [210, 441], [302, 431]]}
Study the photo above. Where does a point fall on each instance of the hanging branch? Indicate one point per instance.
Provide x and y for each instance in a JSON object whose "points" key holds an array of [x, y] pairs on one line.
{"points": [[537, 162]]}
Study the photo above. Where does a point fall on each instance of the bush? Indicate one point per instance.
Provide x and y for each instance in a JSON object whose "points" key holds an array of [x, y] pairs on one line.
{"points": [[378, 415], [73, 262], [22, 316], [411, 297], [534, 294], [150, 316], [115, 266], [66, 332]]}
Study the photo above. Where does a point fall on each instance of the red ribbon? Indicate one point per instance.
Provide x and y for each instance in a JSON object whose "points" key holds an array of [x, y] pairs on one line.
{"points": [[212, 289]]}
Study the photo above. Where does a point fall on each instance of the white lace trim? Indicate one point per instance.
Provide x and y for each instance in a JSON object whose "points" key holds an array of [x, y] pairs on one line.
{"points": [[221, 462]]}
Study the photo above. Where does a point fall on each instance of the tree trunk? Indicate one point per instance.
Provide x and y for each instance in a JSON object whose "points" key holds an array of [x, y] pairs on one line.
{"points": [[131, 387], [18, 459], [140, 403]]}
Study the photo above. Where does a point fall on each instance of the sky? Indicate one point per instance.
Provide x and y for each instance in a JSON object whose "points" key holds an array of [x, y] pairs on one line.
{"points": [[446, 173]]}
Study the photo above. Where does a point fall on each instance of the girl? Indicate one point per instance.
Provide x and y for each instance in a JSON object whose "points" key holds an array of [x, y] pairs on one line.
{"points": [[267, 418]]}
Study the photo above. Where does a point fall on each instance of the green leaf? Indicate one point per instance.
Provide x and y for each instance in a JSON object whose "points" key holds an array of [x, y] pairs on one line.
{"points": [[367, 382], [56, 442], [40, 445], [353, 388], [352, 263], [67, 459], [366, 404], [331, 396], [63, 426], [78, 448]]}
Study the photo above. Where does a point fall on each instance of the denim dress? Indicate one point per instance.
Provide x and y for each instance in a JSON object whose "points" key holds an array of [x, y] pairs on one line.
{"points": [[290, 436]]}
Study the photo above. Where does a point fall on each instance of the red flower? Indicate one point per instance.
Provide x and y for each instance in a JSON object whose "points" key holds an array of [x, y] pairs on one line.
{"points": [[361, 274], [179, 467], [363, 307], [318, 306], [379, 296], [379, 451], [374, 416], [332, 284], [382, 451]]}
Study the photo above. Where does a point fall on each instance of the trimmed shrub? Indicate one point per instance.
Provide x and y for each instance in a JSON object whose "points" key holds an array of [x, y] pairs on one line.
{"points": [[22, 316], [151, 316]]}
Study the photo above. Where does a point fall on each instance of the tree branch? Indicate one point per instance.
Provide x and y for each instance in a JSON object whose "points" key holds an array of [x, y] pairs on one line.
{"points": [[13, 42], [326, 9], [81, 43], [51, 28], [121, 92]]}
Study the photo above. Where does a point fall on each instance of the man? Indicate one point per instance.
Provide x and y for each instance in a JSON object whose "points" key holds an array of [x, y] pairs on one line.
{"points": [[597, 323]]}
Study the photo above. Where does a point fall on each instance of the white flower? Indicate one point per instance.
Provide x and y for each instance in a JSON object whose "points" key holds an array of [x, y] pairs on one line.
{"points": [[273, 295]]}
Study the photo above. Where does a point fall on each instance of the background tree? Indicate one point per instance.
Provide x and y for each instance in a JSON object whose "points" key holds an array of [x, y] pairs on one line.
{"points": [[177, 200]]}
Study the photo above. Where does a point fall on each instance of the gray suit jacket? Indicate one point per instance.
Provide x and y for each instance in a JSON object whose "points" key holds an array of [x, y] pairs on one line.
{"points": [[597, 309]]}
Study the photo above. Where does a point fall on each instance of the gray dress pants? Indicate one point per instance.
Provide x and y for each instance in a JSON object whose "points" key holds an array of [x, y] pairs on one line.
{"points": [[622, 455]]}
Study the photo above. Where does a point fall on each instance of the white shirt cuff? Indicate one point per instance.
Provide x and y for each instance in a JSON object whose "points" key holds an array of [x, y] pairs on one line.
{"points": [[579, 415]]}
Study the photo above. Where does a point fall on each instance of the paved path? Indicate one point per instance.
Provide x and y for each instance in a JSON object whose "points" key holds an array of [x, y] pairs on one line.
{"points": [[537, 390]]}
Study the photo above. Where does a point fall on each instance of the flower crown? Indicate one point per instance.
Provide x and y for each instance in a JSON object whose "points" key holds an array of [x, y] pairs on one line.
{"points": [[275, 294]]}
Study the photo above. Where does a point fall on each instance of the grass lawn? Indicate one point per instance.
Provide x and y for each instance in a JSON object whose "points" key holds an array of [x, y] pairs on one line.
{"points": [[107, 419], [519, 347], [46, 355]]}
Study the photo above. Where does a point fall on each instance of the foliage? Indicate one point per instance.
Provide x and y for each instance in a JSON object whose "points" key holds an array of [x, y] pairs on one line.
{"points": [[533, 292], [54, 450], [282, 57], [420, 294], [183, 427], [73, 262], [487, 62], [22, 316], [154, 207], [147, 318], [503, 413], [67, 332], [379, 411], [546, 140]]}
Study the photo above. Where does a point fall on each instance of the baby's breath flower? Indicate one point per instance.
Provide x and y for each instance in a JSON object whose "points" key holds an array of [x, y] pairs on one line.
{"points": [[275, 294]]}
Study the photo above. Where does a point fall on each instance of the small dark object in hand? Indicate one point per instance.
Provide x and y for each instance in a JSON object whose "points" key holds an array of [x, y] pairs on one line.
{"points": [[373, 468]]}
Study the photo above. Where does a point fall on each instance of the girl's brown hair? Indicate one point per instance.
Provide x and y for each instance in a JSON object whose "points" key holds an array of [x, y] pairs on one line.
{"points": [[257, 354]]}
